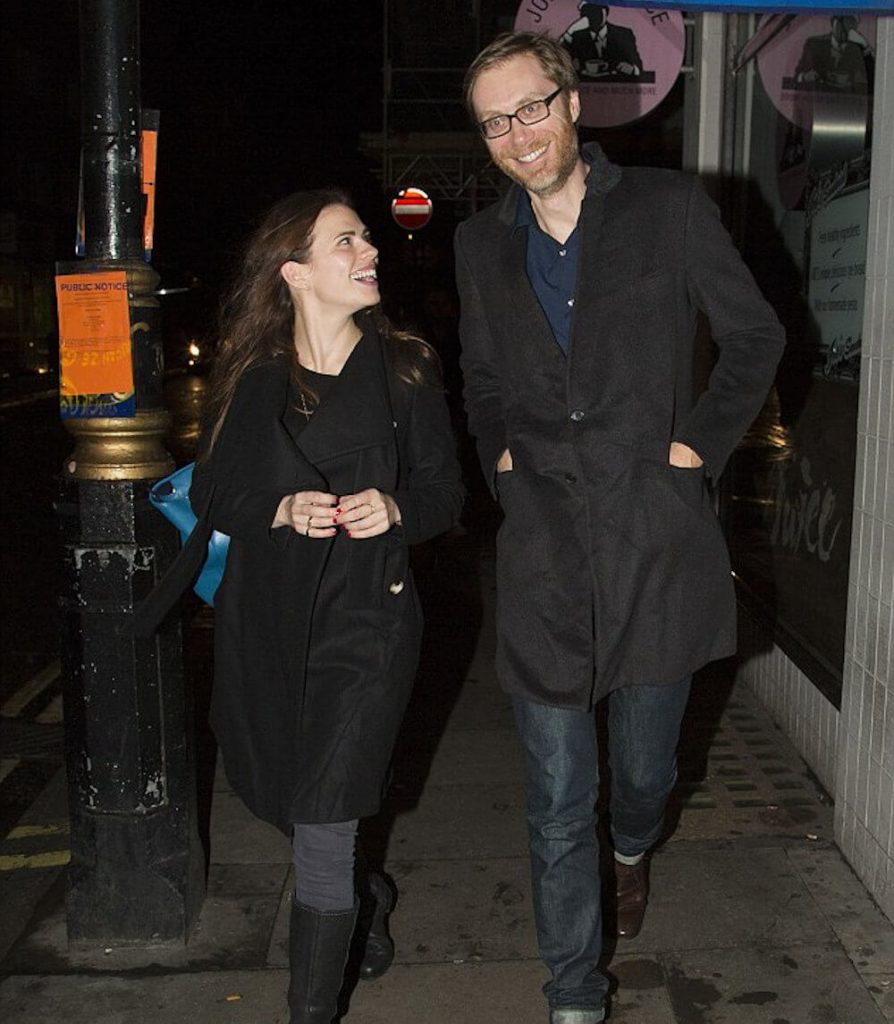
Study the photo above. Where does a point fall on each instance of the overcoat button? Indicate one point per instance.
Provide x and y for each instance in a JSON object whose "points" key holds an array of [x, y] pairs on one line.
{"points": [[577, 415], [396, 587]]}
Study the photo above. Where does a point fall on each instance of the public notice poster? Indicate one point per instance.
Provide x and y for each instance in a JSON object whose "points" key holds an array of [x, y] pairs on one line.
{"points": [[95, 356]]}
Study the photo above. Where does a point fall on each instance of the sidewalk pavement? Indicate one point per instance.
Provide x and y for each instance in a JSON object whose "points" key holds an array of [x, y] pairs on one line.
{"points": [[754, 917]]}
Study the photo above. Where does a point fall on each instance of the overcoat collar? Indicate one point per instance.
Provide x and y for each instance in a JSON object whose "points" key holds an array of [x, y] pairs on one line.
{"points": [[603, 177], [531, 324], [356, 413]]}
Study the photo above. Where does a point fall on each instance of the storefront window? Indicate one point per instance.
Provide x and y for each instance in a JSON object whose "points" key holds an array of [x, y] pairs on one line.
{"points": [[803, 163]]}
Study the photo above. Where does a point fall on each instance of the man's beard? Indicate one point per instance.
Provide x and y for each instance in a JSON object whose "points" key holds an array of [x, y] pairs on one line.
{"points": [[564, 143]]}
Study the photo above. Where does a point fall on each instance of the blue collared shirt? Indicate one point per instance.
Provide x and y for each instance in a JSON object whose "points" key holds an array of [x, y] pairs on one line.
{"points": [[552, 268], [552, 271]]}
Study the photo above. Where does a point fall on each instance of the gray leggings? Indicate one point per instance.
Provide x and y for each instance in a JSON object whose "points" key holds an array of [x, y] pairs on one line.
{"points": [[323, 856]]}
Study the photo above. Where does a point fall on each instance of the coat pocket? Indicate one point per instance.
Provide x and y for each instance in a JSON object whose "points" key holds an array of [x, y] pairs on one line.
{"points": [[688, 484]]}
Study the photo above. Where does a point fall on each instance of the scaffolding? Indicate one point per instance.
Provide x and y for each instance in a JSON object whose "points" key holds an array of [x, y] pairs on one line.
{"points": [[426, 140]]}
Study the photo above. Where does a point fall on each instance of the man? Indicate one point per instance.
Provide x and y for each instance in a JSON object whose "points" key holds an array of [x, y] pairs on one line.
{"points": [[579, 296], [600, 48], [841, 59]]}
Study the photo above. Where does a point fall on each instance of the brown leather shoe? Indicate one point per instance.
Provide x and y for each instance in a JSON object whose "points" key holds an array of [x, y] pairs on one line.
{"points": [[632, 889]]}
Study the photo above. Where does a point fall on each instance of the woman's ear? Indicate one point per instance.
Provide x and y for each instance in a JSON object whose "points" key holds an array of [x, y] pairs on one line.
{"points": [[296, 275]]}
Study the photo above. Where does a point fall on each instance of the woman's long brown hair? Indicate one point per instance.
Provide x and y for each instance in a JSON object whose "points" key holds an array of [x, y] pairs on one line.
{"points": [[257, 316]]}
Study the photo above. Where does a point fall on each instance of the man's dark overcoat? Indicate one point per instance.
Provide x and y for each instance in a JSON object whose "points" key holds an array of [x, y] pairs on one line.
{"points": [[316, 640], [611, 566]]}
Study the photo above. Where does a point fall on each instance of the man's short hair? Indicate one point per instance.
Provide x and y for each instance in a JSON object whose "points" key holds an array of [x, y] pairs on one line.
{"points": [[553, 57]]}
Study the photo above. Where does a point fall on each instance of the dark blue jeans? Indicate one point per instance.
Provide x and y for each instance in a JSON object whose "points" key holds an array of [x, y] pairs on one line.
{"points": [[562, 763]]}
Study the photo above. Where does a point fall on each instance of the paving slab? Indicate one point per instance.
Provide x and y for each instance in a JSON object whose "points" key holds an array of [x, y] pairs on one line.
{"points": [[461, 822], [238, 837], [723, 895], [231, 932], [865, 933], [454, 994], [216, 997], [798, 985], [463, 758], [247, 879], [452, 912]]}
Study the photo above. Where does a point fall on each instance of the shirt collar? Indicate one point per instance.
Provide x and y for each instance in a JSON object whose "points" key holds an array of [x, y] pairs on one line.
{"points": [[524, 214]]}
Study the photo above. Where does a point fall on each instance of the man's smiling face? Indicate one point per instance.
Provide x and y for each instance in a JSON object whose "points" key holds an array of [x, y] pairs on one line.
{"points": [[539, 157]]}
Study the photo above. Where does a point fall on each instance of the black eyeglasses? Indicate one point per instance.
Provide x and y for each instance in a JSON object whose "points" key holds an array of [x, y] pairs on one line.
{"points": [[530, 113]]}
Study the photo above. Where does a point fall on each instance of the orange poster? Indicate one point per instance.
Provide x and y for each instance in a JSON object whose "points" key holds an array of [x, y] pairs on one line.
{"points": [[148, 162], [94, 334]]}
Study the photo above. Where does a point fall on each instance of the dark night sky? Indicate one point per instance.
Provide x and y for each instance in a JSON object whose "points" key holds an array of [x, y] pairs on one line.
{"points": [[257, 98]]}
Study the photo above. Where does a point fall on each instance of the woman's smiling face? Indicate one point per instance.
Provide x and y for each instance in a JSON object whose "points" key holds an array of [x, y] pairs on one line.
{"points": [[341, 268]]}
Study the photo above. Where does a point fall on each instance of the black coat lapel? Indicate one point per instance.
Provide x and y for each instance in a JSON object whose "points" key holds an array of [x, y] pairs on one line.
{"points": [[355, 413], [531, 325]]}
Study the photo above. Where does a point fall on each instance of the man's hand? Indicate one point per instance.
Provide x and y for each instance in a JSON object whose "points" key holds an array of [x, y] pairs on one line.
{"points": [[504, 462], [683, 457]]}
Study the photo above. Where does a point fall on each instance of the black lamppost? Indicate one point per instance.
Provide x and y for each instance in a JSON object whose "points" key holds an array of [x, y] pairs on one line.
{"points": [[137, 869]]}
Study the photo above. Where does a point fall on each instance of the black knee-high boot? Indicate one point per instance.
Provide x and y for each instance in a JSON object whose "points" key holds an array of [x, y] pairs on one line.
{"points": [[373, 946], [376, 903], [319, 942]]}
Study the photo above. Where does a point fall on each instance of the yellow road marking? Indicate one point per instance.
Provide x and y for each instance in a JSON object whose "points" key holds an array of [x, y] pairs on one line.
{"points": [[56, 859], [28, 831]]}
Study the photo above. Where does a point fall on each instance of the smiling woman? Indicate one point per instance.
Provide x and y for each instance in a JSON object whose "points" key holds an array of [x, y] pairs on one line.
{"points": [[327, 452]]}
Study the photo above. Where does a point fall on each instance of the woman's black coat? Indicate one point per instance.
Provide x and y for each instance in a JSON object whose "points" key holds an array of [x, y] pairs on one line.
{"points": [[316, 640]]}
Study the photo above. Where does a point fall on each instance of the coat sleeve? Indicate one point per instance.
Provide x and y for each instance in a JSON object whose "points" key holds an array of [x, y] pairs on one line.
{"points": [[744, 327], [431, 494], [253, 465], [481, 391]]}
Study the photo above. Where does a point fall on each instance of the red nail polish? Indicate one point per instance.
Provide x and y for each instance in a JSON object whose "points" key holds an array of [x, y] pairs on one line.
{"points": [[347, 531]]}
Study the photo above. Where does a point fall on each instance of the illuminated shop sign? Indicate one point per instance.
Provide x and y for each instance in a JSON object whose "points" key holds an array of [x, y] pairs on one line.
{"points": [[626, 60]]}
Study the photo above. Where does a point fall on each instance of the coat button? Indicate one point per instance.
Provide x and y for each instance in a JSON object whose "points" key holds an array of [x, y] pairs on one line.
{"points": [[570, 478], [577, 415], [396, 587]]}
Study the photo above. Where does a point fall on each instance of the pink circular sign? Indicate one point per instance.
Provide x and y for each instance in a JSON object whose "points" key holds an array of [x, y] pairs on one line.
{"points": [[627, 59], [820, 65]]}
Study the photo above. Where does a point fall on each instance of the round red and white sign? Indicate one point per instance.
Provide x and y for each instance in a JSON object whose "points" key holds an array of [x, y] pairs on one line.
{"points": [[626, 59], [411, 209]]}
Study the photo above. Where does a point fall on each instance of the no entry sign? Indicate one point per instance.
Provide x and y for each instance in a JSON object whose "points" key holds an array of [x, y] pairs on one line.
{"points": [[411, 209]]}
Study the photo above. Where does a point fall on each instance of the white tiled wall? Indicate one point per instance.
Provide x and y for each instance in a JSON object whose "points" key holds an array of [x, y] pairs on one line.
{"points": [[864, 792], [801, 711], [853, 753]]}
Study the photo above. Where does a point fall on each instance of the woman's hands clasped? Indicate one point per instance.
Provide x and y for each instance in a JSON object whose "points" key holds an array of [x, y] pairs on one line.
{"points": [[367, 514], [316, 514]]}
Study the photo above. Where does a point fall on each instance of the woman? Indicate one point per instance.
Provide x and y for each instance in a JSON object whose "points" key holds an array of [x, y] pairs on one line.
{"points": [[327, 451]]}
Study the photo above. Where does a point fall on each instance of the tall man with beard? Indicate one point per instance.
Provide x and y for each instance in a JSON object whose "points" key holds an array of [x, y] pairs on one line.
{"points": [[580, 291]]}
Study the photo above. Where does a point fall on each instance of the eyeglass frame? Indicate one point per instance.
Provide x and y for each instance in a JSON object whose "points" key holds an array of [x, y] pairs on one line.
{"points": [[546, 100]]}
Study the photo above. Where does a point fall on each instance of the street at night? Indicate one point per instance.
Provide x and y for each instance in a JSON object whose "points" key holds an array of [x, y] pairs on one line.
{"points": [[537, 359]]}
